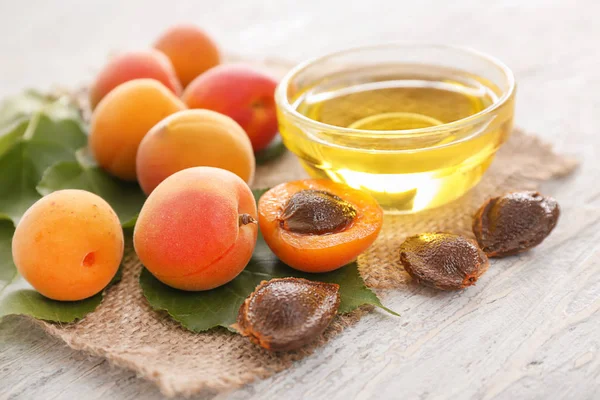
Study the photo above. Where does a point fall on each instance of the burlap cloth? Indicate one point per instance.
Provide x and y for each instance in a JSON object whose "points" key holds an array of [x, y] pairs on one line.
{"points": [[126, 331]]}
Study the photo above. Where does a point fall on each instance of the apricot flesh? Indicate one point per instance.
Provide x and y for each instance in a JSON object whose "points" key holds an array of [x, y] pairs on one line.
{"points": [[190, 50], [132, 65], [311, 251], [193, 138], [123, 118], [242, 93], [68, 245], [197, 230]]}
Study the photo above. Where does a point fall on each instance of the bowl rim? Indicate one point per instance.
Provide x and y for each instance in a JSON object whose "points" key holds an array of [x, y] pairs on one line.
{"points": [[284, 104]]}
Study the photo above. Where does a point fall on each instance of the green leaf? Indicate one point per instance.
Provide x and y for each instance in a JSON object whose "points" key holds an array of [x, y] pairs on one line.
{"points": [[11, 135], [17, 297], [37, 132], [275, 149], [199, 311], [29, 147], [125, 198], [22, 106], [17, 182], [7, 268]]}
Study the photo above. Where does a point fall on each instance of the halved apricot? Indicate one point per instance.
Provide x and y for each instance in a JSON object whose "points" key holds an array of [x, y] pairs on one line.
{"points": [[317, 225]]}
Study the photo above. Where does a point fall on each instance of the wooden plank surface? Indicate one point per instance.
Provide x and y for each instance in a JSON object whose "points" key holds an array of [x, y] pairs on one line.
{"points": [[528, 333]]}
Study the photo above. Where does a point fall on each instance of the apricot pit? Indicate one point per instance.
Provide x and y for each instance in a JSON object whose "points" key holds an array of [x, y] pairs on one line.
{"points": [[288, 313], [515, 222], [443, 260], [316, 212]]}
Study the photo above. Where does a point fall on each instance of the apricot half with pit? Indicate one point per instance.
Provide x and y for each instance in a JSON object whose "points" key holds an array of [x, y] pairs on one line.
{"points": [[288, 313], [317, 225]]}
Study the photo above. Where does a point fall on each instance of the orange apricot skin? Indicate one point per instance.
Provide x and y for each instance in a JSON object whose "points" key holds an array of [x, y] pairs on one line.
{"points": [[193, 138], [123, 118], [188, 234], [242, 93], [68, 245], [319, 253], [190, 50], [132, 65]]}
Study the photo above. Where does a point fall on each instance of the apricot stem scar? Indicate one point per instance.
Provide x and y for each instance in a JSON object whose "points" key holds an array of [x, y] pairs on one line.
{"points": [[245, 219]]}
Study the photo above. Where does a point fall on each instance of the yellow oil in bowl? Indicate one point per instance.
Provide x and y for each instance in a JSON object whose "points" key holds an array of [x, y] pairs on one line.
{"points": [[415, 135]]}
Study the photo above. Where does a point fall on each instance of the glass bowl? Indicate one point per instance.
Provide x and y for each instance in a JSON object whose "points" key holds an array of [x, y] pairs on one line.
{"points": [[407, 159]]}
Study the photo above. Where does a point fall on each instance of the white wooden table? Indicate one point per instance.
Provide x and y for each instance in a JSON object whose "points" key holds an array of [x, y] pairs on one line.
{"points": [[537, 336]]}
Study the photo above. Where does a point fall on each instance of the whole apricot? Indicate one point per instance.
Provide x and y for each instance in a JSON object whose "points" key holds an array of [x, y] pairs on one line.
{"points": [[131, 65], [123, 118], [190, 49], [193, 138], [242, 93], [68, 245], [197, 230]]}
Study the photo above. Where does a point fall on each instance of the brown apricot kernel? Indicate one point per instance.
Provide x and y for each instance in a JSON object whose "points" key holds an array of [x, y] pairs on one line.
{"points": [[317, 212], [443, 260], [288, 313], [514, 223]]}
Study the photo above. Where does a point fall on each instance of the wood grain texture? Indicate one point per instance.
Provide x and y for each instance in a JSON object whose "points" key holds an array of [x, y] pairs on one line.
{"points": [[529, 332]]}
